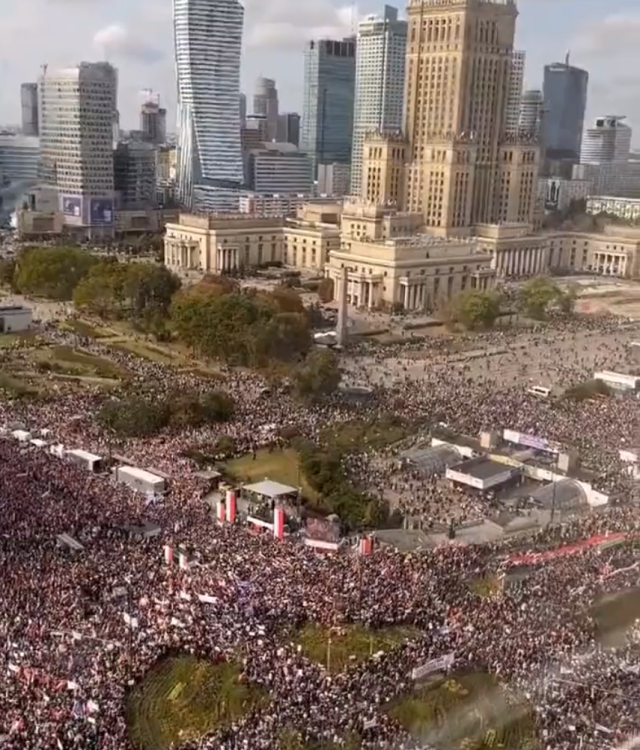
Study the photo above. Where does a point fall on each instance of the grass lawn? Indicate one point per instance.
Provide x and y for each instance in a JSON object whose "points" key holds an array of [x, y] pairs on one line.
{"points": [[470, 710], [614, 614], [359, 435], [83, 328], [278, 465], [349, 644], [67, 360], [487, 588], [185, 698], [8, 340], [144, 350], [15, 387]]}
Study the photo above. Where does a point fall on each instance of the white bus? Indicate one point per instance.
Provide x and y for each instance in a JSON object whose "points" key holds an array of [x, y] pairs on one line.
{"points": [[617, 380], [539, 390]]}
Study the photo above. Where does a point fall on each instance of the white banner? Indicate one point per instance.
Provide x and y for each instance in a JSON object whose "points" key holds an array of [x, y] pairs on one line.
{"points": [[441, 664]]}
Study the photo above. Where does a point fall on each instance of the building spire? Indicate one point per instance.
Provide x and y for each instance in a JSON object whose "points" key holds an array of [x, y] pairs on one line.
{"points": [[566, 59]]}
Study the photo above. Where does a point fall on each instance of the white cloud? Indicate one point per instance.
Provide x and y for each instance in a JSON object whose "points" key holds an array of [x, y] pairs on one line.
{"points": [[614, 35], [117, 41]]}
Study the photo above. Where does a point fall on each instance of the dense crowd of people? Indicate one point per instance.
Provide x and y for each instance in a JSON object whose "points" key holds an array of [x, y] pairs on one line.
{"points": [[79, 629]]}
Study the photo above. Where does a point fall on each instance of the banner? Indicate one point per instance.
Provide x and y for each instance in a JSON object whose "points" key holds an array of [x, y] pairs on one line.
{"points": [[101, 211], [441, 664], [72, 206]]}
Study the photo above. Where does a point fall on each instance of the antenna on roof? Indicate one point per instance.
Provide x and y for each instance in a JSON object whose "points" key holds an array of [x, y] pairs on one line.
{"points": [[354, 18], [568, 55]]}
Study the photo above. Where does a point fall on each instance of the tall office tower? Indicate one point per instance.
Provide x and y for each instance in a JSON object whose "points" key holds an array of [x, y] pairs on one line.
{"points": [[327, 115], [565, 102], [464, 169], [379, 88], [135, 174], [153, 119], [29, 104], [516, 82], [265, 102], [609, 140], [208, 47], [531, 112], [288, 128], [77, 107], [243, 110]]}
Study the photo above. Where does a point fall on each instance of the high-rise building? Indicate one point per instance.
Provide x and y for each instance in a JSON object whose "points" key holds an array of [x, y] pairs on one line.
{"points": [[280, 169], [531, 112], [465, 170], [208, 46], [29, 105], [135, 174], [265, 102], [153, 120], [77, 107], [379, 85], [329, 85], [243, 109], [565, 102], [516, 81], [288, 128], [19, 157], [609, 140]]}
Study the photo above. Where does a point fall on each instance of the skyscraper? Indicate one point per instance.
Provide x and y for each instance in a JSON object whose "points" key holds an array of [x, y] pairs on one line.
{"points": [[288, 128], [265, 102], [531, 112], [29, 105], [153, 120], [208, 46], [516, 81], [77, 108], [465, 169], [608, 141], [327, 116], [379, 84], [565, 103]]}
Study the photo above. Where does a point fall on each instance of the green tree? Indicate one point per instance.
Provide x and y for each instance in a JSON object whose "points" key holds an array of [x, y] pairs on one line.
{"points": [[101, 291], [52, 272], [566, 298], [7, 272], [287, 300], [217, 406], [476, 309], [326, 290], [284, 337], [536, 296], [149, 287], [319, 375], [134, 416]]}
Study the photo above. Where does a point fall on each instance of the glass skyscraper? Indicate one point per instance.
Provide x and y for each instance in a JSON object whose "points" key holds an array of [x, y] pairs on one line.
{"points": [[208, 46], [329, 86], [565, 102]]}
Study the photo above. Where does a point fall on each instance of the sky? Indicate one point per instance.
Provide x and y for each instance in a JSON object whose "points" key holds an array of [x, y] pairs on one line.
{"points": [[136, 36]]}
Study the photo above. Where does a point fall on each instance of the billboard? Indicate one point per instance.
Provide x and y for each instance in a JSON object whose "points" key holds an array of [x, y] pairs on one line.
{"points": [[72, 206], [530, 441], [101, 211]]}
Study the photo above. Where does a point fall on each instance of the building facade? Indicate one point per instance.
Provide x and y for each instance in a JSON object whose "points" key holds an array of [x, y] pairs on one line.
{"points": [[288, 128], [514, 96], [565, 103], [208, 47], [464, 168], [531, 112], [557, 194], [280, 168], [19, 158], [379, 84], [222, 243], [608, 140], [77, 108], [624, 208], [153, 122], [333, 179], [329, 86], [265, 103], [135, 174], [30, 109]]}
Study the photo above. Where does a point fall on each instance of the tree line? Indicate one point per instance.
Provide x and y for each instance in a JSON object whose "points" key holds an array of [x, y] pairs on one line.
{"points": [[217, 318], [537, 298]]}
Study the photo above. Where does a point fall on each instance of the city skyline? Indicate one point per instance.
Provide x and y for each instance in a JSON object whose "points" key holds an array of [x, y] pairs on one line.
{"points": [[137, 38]]}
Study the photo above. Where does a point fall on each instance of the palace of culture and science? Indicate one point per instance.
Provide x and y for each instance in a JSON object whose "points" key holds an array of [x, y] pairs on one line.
{"points": [[447, 203]]}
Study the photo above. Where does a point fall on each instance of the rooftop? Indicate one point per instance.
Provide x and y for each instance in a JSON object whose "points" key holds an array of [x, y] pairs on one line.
{"points": [[480, 468], [270, 489]]}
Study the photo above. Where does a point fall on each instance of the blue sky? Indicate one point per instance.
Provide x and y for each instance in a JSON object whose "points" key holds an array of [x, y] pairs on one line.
{"points": [[136, 35]]}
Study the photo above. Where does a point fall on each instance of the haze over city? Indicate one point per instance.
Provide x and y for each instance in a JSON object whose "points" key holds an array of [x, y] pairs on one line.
{"points": [[137, 38]]}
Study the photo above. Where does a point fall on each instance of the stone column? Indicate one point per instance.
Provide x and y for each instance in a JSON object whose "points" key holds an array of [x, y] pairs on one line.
{"points": [[405, 297]]}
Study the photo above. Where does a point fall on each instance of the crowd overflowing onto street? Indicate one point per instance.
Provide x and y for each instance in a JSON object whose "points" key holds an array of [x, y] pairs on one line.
{"points": [[79, 629]]}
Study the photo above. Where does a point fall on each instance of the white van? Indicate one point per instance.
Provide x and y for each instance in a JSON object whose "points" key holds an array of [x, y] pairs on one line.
{"points": [[539, 390]]}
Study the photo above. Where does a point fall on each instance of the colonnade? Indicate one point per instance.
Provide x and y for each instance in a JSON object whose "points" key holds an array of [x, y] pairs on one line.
{"points": [[523, 261]]}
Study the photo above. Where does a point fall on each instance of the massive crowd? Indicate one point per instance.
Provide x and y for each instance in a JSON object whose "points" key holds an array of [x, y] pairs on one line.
{"points": [[79, 629]]}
